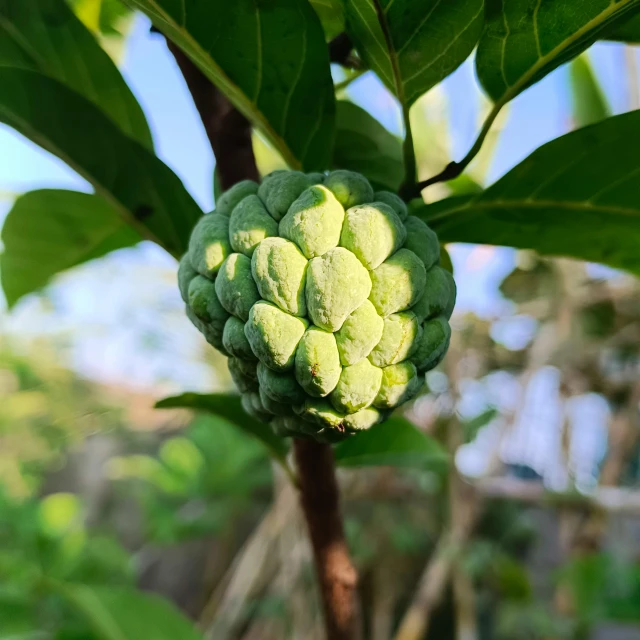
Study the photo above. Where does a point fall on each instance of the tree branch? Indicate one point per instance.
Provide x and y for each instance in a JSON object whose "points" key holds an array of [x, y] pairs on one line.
{"points": [[229, 132], [320, 502]]}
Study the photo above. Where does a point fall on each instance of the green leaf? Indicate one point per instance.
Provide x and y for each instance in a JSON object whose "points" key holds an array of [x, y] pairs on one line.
{"points": [[629, 31], [577, 196], [46, 36], [228, 406], [49, 230], [524, 40], [269, 58], [331, 14], [144, 191], [413, 45], [126, 614], [589, 102], [396, 442], [365, 146]]}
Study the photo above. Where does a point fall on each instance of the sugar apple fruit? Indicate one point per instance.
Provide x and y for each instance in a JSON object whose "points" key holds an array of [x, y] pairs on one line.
{"points": [[326, 296]]}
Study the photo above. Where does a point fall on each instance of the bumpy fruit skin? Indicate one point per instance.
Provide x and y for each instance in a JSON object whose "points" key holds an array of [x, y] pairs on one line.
{"points": [[326, 296]]}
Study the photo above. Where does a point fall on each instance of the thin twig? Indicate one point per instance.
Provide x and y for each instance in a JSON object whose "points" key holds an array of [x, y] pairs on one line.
{"points": [[343, 84], [454, 169]]}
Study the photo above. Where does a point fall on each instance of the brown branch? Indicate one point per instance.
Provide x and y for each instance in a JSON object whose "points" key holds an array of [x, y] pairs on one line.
{"points": [[229, 132], [320, 502]]}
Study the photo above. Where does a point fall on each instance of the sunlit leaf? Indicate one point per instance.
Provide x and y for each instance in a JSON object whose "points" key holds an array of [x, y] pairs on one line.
{"points": [[269, 58], [589, 101], [46, 36], [365, 146], [524, 40], [126, 614], [50, 230], [396, 442], [228, 406], [577, 196], [411, 45], [144, 191]]}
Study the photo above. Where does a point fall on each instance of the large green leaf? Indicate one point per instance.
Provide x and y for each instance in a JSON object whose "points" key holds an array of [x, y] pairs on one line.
{"points": [[589, 101], [331, 14], [524, 40], [126, 614], [413, 45], [228, 406], [629, 31], [51, 230], [269, 58], [365, 146], [145, 192], [46, 36], [577, 196], [395, 442]]}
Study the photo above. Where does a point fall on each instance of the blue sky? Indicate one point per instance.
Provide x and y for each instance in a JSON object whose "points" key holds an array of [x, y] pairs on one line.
{"points": [[109, 322]]}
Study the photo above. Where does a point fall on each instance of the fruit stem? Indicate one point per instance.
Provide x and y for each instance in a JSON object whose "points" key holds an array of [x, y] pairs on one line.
{"points": [[320, 502]]}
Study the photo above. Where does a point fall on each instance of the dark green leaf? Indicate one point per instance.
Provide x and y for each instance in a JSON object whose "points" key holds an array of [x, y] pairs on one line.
{"points": [[331, 14], [577, 196], [395, 442], [524, 40], [589, 102], [46, 36], [50, 230], [145, 192], [365, 146], [269, 58], [228, 406], [413, 45], [629, 31], [126, 614]]}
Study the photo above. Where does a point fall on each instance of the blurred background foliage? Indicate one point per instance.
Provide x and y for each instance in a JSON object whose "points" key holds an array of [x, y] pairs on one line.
{"points": [[531, 532]]}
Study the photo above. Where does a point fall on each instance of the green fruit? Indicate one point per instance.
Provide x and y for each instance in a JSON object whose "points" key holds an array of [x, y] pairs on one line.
{"points": [[280, 271], [230, 198], [314, 221], [439, 295], [280, 189], [186, 273], [349, 188], [337, 284], [423, 241], [205, 304], [359, 334], [235, 341], [394, 201], [399, 383], [317, 362], [432, 345], [398, 283], [400, 338], [274, 335], [209, 244], [249, 225], [325, 296], [372, 232], [243, 374], [235, 287], [357, 388], [282, 387]]}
